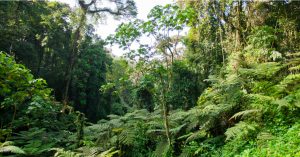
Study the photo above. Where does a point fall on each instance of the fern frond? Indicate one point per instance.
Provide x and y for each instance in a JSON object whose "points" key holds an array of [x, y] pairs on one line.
{"points": [[260, 99], [296, 54], [109, 153], [244, 113], [156, 131], [117, 123], [193, 118], [178, 115], [98, 127], [294, 68], [177, 129], [196, 135], [128, 136], [265, 136], [90, 151], [292, 81], [63, 153], [11, 149], [211, 109], [281, 103], [185, 136], [155, 123], [142, 114], [241, 129], [263, 70], [162, 149], [7, 143], [113, 116]]}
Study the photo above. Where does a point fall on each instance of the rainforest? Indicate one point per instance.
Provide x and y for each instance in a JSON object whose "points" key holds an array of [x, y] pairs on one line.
{"points": [[194, 78]]}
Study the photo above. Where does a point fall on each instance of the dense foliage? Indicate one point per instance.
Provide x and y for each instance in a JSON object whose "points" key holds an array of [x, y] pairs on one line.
{"points": [[228, 87]]}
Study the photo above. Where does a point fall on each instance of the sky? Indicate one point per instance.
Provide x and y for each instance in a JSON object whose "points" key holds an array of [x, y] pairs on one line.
{"points": [[110, 24]]}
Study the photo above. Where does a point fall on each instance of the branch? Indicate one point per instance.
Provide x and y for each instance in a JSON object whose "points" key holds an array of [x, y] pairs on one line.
{"points": [[85, 6], [108, 10], [127, 8]]}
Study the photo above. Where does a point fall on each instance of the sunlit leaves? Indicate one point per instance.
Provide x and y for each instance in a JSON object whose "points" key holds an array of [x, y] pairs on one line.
{"points": [[162, 23]]}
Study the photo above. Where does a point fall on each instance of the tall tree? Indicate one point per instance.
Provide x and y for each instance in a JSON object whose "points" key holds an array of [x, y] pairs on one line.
{"points": [[164, 25], [122, 8]]}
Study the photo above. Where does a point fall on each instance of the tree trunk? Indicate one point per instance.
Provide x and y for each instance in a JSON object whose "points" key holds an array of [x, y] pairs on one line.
{"points": [[238, 28], [165, 112], [73, 56]]}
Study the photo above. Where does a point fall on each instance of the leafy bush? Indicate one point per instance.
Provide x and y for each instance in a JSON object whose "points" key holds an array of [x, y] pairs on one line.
{"points": [[29, 113]]}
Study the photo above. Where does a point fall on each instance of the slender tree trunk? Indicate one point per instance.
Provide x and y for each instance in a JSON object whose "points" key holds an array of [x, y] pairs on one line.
{"points": [[41, 57], [39, 64], [80, 124], [73, 56], [164, 92], [166, 122], [221, 43], [238, 28], [165, 112]]}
